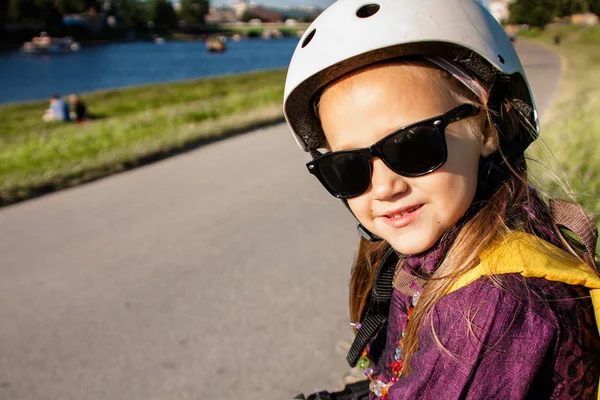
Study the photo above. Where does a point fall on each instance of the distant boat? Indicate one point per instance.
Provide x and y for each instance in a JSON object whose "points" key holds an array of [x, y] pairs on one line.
{"points": [[46, 44], [216, 44]]}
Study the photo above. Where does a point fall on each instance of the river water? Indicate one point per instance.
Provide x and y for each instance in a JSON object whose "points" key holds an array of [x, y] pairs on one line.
{"points": [[27, 77]]}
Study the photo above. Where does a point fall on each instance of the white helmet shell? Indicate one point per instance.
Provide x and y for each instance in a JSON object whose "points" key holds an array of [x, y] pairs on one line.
{"points": [[351, 34]]}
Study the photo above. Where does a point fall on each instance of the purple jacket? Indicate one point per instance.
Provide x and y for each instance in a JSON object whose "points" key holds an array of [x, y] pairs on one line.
{"points": [[532, 339]]}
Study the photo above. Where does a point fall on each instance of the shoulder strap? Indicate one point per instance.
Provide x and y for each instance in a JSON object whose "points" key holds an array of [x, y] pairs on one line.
{"points": [[407, 283], [573, 217], [379, 305]]}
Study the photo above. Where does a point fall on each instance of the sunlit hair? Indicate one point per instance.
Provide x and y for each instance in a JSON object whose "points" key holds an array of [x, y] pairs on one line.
{"points": [[503, 212]]}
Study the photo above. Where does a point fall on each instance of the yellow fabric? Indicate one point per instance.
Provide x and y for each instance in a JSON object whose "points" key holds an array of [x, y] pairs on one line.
{"points": [[532, 257]]}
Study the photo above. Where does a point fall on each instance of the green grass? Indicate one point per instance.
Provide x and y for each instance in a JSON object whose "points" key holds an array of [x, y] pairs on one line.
{"points": [[134, 125], [572, 129]]}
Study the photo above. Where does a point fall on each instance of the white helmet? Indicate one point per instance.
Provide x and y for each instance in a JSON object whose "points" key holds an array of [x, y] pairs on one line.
{"points": [[351, 34]]}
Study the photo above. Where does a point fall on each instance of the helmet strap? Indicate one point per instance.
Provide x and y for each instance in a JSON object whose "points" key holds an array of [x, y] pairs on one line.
{"points": [[364, 232], [499, 90], [367, 235], [515, 147], [492, 172]]}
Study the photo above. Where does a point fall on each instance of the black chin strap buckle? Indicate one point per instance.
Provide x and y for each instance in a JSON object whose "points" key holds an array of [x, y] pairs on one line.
{"points": [[364, 232], [367, 235]]}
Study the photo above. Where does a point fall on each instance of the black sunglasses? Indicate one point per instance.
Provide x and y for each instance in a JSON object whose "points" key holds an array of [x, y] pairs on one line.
{"points": [[413, 150]]}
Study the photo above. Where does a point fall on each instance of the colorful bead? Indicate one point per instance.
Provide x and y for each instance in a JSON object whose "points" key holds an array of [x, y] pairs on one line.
{"points": [[397, 366], [363, 363], [398, 355], [377, 387], [415, 298]]}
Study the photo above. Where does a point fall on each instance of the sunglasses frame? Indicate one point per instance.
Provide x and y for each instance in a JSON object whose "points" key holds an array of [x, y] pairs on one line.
{"points": [[439, 124]]}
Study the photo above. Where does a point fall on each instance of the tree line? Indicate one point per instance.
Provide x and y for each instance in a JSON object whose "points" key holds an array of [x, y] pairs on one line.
{"points": [[123, 13], [539, 13]]}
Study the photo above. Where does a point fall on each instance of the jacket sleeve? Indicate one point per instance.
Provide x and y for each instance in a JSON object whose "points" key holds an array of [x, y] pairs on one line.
{"points": [[488, 344]]}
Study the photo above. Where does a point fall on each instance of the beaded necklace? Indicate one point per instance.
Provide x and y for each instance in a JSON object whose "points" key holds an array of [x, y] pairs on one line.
{"points": [[377, 386], [420, 265]]}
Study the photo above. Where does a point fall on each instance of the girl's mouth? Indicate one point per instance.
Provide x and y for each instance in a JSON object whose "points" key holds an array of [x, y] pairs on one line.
{"points": [[403, 217]]}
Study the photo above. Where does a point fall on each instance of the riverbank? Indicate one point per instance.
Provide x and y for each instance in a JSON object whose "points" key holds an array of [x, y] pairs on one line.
{"points": [[571, 130], [133, 126]]}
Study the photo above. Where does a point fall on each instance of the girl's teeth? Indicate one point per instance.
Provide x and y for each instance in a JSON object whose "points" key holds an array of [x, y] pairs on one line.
{"points": [[404, 213]]}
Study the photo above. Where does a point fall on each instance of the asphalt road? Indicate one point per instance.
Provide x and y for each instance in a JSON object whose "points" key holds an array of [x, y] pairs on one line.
{"points": [[221, 273]]}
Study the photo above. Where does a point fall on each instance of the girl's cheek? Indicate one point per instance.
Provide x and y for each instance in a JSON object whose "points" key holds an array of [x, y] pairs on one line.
{"points": [[360, 207]]}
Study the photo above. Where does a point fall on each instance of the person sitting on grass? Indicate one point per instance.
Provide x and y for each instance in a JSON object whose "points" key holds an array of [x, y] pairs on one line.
{"points": [[58, 111], [78, 111]]}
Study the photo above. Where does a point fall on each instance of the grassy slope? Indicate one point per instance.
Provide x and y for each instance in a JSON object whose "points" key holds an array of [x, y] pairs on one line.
{"points": [[134, 124], [572, 131]]}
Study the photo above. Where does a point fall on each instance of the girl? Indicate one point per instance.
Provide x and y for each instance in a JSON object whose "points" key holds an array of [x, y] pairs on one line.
{"points": [[417, 115]]}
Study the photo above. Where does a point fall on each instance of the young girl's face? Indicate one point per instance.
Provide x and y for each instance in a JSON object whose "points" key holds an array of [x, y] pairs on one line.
{"points": [[409, 213]]}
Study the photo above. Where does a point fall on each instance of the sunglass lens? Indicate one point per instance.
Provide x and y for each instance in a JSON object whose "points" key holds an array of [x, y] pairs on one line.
{"points": [[347, 174], [415, 151]]}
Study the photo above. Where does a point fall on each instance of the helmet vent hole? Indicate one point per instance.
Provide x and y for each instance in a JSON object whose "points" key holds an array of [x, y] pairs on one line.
{"points": [[501, 59], [368, 10], [308, 38]]}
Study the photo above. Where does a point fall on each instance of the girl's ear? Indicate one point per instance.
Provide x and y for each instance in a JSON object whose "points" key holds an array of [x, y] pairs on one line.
{"points": [[489, 141]]}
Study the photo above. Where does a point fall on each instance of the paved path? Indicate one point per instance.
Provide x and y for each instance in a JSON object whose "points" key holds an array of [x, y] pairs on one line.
{"points": [[218, 274]]}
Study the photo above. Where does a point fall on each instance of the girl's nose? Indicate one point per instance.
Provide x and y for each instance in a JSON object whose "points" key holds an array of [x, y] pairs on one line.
{"points": [[385, 183]]}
